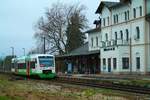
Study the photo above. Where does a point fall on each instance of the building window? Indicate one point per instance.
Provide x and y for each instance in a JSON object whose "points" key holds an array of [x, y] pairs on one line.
{"points": [[125, 14], [134, 12], [114, 63], [108, 20], [138, 32], [104, 62], [106, 36], [114, 19], [140, 10], [116, 36], [121, 35], [125, 63], [128, 14], [109, 63], [138, 62], [97, 41], [104, 21], [92, 41], [127, 35], [22, 66]]}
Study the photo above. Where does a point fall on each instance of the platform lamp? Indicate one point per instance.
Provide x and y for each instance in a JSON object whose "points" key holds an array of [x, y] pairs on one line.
{"points": [[24, 51], [13, 56], [12, 48], [44, 48]]}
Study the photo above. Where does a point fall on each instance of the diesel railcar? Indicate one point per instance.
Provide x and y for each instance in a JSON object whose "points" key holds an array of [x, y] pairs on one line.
{"points": [[41, 65]]}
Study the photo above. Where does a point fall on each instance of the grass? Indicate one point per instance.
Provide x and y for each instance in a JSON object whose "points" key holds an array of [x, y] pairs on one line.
{"points": [[25, 90], [10, 98]]}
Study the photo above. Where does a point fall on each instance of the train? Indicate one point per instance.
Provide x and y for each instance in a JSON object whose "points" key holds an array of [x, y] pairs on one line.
{"points": [[36, 65]]}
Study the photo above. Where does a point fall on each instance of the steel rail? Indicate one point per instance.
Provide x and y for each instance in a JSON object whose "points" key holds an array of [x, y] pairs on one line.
{"points": [[120, 87], [94, 83]]}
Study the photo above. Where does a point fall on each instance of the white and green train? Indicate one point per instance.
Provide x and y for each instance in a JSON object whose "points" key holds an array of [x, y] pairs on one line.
{"points": [[41, 65]]}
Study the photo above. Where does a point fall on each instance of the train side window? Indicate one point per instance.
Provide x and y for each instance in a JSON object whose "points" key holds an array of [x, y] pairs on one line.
{"points": [[21, 65]]}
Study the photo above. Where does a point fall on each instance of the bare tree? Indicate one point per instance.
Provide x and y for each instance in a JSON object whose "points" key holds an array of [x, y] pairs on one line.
{"points": [[53, 26]]}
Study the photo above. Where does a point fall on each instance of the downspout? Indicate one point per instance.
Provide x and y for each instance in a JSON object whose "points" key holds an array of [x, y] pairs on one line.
{"points": [[149, 42], [100, 58], [147, 35], [100, 49], [110, 24], [130, 41]]}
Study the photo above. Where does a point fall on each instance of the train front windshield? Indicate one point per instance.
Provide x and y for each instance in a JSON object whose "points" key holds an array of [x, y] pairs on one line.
{"points": [[46, 61]]}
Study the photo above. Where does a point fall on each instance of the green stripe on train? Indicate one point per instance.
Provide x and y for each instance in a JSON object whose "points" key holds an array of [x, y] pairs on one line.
{"points": [[51, 75], [41, 75], [21, 72]]}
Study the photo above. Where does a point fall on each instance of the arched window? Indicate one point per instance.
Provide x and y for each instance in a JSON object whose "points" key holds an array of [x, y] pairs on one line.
{"points": [[92, 41], [140, 10], [125, 14], [97, 41], [106, 36], [134, 12], [108, 20], [128, 14], [127, 35], [114, 19], [117, 19], [138, 32], [115, 36], [121, 35], [138, 62], [104, 21]]}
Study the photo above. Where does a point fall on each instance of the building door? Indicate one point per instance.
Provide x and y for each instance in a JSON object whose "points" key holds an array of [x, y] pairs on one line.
{"points": [[69, 67], [109, 64]]}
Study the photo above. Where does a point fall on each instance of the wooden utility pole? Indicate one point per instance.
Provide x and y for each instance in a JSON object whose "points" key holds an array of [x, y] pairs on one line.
{"points": [[44, 46]]}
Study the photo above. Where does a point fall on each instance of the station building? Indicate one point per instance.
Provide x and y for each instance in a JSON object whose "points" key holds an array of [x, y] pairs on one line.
{"points": [[119, 44], [79, 61], [84, 59], [124, 36]]}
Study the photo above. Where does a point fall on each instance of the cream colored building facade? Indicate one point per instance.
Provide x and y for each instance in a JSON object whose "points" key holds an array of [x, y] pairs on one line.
{"points": [[124, 36]]}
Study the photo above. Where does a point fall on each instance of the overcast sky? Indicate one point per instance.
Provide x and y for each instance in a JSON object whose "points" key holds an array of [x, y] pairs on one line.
{"points": [[18, 17]]}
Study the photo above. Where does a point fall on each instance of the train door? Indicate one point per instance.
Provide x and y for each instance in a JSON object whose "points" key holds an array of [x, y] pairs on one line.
{"points": [[16, 67]]}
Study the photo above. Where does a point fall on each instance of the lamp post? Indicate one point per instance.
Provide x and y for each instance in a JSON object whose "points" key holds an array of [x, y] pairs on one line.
{"points": [[13, 56], [23, 51], [44, 45], [12, 51]]}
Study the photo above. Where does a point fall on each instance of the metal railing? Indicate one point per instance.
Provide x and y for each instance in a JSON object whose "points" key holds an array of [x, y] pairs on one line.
{"points": [[113, 43]]}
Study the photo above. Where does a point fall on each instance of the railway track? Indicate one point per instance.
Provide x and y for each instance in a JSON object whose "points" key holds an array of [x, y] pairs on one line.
{"points": [[97, 84], [93, 83]]}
